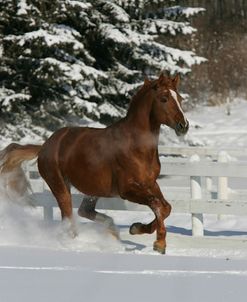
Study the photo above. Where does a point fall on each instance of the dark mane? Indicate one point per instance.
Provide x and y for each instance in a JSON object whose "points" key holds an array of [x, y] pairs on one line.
{"points": [[142, 91]]}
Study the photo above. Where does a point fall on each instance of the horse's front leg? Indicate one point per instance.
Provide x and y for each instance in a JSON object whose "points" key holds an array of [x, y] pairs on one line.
{"points": [[162, 210], [153, 198]]}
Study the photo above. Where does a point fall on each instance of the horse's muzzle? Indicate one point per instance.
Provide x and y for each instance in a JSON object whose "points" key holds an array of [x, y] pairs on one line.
{"points": [[182, 128]]}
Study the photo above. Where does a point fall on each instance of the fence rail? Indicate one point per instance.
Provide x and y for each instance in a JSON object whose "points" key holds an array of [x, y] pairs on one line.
{"points": [[201, 151], [202, 168]]}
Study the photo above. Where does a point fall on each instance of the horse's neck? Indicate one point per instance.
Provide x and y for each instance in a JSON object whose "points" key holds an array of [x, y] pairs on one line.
{"points": [[139, 118]]}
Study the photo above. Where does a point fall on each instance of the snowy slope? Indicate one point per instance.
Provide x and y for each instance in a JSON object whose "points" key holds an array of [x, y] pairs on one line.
{"points": [[213, 127]]}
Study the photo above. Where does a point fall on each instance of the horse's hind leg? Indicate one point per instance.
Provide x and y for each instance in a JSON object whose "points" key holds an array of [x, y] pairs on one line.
{"points": [[87, 210], [141, 228], [61, 190], [63, 197]]}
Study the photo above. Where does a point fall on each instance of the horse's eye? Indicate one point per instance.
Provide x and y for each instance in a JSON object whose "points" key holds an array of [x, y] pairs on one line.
{"points": [[164, 99]]}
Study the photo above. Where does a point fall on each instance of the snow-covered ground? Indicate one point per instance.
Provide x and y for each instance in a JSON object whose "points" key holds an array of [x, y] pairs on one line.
{"points": [[48, 275], [213, 127], [39, 261]]}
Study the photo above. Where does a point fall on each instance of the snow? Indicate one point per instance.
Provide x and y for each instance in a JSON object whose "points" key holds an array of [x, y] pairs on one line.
{"points": [[187, 56], [117, 12], [73, 72], [8, 97], [40, 261], [57, 34], [107, 108], [137, 38], [90, 106], [166, 26], [148, 49], [46, 275], [110, 32], [211, 126], [185, 11], [83, 5], [22, 8]]}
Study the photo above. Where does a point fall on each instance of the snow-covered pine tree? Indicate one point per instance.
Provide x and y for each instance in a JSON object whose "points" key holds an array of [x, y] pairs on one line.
{"points": [[66, 58]]}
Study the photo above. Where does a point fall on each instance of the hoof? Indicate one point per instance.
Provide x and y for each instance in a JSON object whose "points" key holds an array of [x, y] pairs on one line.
{"points": [[73, 233], [114, 232], [159, 247], [135, 228]]}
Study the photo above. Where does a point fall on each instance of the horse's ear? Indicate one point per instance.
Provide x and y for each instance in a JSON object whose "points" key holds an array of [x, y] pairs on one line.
{"points": [[176, 80], [161, 78], [146, 80]]}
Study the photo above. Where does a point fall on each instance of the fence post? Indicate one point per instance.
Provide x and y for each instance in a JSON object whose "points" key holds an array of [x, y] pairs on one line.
{"points": [[196, 194], [209, 185], [228, 106], [48, 213], [222, 181]]}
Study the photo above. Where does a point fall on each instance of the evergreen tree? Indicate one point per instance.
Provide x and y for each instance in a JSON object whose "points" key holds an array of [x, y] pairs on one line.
{"points": [[64, 58]]}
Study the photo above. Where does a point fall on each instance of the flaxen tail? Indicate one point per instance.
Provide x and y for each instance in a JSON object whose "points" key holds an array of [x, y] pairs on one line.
{"points": [[13, 182], [14, 154]]}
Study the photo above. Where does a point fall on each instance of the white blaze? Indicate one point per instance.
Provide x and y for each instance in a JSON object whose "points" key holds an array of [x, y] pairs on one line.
{"points": [[175, 98]]}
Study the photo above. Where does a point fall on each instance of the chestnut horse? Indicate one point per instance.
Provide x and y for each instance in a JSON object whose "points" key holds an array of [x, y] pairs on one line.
{"points": [[120, 160]]}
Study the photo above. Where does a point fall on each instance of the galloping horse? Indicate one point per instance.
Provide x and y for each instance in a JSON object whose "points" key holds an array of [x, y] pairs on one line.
{"points": [[120, 160]]}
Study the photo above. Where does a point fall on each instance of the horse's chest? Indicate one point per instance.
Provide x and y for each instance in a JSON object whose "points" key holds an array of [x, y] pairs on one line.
{"points": [[141, 169], [151, 171]]}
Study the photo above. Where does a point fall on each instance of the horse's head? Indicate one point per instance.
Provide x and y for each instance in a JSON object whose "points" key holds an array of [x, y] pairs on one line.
{"points": [[167, 104]]}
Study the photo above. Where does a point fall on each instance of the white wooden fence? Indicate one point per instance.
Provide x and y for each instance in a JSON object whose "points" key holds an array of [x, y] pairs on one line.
{"points": [[198, 199], [201, 151]]}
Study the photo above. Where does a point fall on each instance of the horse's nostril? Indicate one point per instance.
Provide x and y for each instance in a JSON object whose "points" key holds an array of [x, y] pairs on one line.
{"points": [[183, 126], [180, 126]]}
